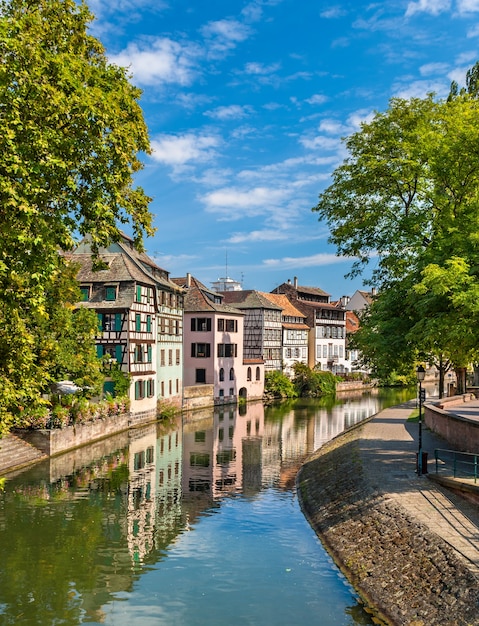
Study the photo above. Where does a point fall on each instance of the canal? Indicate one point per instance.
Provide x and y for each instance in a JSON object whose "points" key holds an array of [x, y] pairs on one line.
{"points": [[186, 523]]}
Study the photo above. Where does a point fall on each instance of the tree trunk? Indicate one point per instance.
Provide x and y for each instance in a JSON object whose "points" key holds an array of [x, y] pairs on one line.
{"points": [[460, 380]]}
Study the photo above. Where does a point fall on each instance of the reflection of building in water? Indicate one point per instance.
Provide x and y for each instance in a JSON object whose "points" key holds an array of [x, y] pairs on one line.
{"points": [[221, 453], [154, 495], [168, 471], [141, 492], [332, 422]]}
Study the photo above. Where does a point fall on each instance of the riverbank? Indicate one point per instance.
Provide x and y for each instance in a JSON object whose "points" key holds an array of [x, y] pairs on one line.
{"points": [[359, 492]]}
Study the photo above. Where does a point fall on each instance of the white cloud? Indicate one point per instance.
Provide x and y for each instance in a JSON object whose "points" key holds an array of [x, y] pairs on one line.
{"points": [[224, 35], [253, 201], [159, 61], [473, 32], [231, 112], [317, 98], [333, 127], [420, 89], [177, 150], [261, 69], [333, 12], [433, 7], [433, 68], [307, 261], [319, 143], [467, 6], [256, 236]]}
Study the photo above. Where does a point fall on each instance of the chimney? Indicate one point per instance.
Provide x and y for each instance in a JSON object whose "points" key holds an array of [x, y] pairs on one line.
{"points": [[295, 282], [373, 291], [289, 281], [188, 280]]}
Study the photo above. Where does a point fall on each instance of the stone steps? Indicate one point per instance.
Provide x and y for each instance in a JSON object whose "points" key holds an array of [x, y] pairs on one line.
{"points": [[15, 453]]}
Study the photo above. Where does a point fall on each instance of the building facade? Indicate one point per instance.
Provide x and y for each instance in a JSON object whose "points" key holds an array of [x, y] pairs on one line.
{"points": [[326, 322], [213, 346], [127, 297]]}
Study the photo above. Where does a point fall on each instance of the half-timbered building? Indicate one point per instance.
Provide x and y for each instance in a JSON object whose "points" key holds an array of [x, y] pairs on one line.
{"points": [[263, 326], [130, 295]]}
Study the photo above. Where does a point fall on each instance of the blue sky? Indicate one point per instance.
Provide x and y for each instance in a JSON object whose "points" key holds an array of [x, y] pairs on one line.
{"points": [[246, 103]]}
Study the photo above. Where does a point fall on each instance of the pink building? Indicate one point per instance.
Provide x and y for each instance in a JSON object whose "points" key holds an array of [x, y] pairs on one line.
{"points": [[213, 340]]}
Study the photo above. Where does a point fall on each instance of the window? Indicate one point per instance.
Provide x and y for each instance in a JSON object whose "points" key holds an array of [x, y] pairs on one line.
{"points": [[139, 353], [85, 293], [139, 389], [231, 326], [258, 373], [222, 375], [200, 350], [248, 373], [138, 322], [199, 459], [200, 324], [222, 393], [150, 388], [232, 391], [110, 322], [200, 376], [177, 357], [170, 357], [150, 454], [162, 358], [221, 324], [232, 373], [200, 436], [325, 351], [110, 293], [227, 349]]}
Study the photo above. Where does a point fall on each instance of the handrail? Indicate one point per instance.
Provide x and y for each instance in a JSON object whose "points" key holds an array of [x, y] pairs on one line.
{"points": [[464, 463]]}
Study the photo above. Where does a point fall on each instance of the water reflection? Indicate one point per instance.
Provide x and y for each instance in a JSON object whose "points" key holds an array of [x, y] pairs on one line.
{"points": [[83, 532]]}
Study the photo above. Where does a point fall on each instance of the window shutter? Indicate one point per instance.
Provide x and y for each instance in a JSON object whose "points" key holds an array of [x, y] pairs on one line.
{"points": [[100, 323], [149, 354], [99, 351], [119, 354], [118, 322]]}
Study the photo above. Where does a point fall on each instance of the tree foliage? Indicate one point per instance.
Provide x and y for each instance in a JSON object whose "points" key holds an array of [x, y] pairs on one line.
{"points": [[72, 129], [407, 196]]}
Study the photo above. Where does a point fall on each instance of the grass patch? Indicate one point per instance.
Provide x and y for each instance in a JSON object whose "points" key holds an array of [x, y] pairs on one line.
{"points": [[414, 417]]}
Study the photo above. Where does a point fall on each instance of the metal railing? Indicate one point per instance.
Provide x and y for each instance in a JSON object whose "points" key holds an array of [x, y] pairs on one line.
{"points": [[460, 464]]}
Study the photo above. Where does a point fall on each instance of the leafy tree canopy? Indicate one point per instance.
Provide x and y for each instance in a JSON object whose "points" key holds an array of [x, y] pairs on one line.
{"points": [[407, 196], [72, 130]]}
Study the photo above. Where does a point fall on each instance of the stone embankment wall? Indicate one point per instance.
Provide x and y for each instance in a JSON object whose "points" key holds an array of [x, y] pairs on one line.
{"points": [[402, 571], [460, 433]]}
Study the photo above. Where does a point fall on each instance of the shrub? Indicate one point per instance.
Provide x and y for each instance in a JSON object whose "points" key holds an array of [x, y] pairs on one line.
{"points": [[310, 383], [278, 385]]}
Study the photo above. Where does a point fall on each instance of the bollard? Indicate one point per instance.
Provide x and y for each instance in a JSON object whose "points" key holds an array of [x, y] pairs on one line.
{"points": [[424, 463]]}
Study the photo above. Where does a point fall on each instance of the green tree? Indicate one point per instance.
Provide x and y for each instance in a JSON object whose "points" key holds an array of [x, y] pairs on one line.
{"points": [[72, 129], [407, 196]]}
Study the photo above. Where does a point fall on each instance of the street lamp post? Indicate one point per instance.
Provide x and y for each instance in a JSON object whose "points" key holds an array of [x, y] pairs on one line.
{"points": [[420, 374]]}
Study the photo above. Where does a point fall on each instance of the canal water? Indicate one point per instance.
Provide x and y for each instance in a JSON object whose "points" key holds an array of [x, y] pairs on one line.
{"points": [[190, 524]]}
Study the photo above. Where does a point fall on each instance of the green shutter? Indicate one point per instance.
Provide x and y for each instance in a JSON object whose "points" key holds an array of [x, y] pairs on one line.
{"points": [[149, 354], [138, 293], [100, 323], [118, 318], [137, 390], [148, 323], [138, 322], [119, 354], [99, 351]]}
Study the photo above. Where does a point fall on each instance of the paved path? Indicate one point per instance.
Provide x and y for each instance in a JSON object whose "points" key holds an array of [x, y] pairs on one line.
{"points": [[388, 446]]}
